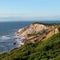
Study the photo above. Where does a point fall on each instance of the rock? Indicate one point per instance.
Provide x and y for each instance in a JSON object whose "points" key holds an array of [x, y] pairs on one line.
{"points": [[56, 30], [37, 32], [32, 29]]}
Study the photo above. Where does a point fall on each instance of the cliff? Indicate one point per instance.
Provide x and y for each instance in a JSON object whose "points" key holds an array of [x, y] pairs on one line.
{"points": [[32, 29], [37, 32]]}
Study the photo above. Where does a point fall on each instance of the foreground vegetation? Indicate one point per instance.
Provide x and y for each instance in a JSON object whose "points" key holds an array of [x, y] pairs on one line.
{"points": [[45, 50]]}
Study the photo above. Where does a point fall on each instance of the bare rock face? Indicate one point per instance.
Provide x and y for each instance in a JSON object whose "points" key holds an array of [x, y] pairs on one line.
{"points": [[32, 29], [56, 30], [37, 32]]}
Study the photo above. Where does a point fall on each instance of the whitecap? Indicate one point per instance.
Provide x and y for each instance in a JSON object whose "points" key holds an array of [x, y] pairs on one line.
{"points": [[5, 37]]}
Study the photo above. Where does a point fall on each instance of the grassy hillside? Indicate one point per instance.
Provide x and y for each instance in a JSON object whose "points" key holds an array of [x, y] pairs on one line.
{"points": [[45, 50]]}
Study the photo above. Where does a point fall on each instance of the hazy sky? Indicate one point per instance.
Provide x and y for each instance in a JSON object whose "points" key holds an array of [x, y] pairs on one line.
{"points": [[30, 8]]}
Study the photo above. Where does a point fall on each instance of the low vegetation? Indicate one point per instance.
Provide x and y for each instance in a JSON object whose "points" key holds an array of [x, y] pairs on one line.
{"points": [[48, 49], [47, 24]]}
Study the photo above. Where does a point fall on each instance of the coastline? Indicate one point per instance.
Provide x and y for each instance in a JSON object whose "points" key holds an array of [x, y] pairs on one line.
{"points": [[14, 36]]}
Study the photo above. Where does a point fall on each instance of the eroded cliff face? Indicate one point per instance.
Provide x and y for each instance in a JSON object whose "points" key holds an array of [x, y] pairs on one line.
{"points": [[37, 32], [32, 29]]}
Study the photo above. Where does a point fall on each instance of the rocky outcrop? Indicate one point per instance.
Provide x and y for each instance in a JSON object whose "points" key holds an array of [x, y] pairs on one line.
{"points": [[37, 32], [32, 29]]}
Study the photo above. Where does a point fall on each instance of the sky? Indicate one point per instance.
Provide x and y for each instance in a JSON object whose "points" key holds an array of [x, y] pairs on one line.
{"points": [[29, 9]]}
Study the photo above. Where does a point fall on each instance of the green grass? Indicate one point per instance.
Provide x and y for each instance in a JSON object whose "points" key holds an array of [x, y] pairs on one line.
{"points": [[45, 50]]}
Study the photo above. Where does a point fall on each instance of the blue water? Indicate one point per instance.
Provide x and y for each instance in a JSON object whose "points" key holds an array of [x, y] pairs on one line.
{"points": [[8, 33]]}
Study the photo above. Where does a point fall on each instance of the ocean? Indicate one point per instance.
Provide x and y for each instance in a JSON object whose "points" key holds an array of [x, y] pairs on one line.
{"points": [[8, 32]]}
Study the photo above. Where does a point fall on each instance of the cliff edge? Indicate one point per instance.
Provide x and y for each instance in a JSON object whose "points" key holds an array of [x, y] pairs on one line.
{"points": [[37, 32]]}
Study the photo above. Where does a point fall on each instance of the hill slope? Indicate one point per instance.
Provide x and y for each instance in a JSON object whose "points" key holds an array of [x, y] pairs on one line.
{"points": [[48, 49]]}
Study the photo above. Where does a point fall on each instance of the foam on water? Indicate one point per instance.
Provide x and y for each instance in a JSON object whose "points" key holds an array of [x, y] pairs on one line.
{"points": [[8, 42]]}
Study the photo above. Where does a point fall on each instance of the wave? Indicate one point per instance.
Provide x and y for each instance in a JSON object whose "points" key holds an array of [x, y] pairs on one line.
{"points": [[4, 38], [10, 41]]}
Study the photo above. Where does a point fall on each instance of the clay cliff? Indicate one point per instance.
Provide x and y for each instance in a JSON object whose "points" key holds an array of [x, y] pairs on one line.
{"points": [[37, 32]]}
